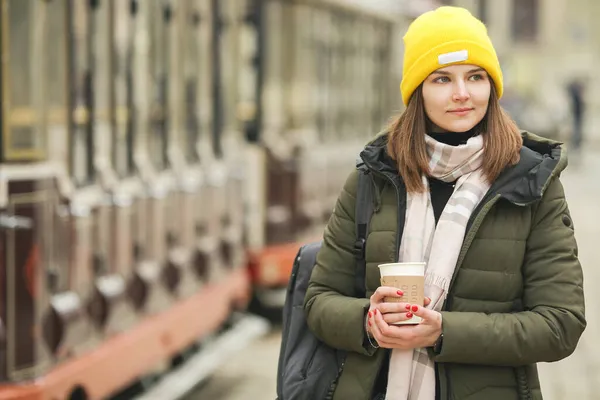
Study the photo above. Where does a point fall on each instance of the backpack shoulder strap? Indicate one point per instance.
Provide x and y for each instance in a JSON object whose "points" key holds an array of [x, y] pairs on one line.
{"points": [[362, 217]]}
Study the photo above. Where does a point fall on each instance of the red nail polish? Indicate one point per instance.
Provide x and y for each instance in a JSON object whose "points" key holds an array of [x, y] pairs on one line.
{"points": [[409, 315], [369, 314], [374, 311], [369, 323], [408, 307], [400, 293], [415, 308]]}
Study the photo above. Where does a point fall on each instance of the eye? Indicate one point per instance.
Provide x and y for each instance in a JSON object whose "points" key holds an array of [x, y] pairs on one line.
{"points": [[477, 77], [441, 79]]}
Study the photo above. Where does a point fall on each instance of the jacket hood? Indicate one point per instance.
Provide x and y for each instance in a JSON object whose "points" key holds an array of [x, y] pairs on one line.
{"points": [[524, 183]]}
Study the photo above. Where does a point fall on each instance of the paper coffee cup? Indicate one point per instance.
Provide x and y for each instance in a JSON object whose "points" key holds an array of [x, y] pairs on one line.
{"points": [[408, 277]]}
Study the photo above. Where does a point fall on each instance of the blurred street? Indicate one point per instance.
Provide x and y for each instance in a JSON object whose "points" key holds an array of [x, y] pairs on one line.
{"points": [[578, 377], [251, 375]]}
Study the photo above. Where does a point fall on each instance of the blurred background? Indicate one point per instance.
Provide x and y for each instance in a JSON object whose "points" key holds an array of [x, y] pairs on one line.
{"points": [[161, 162]]}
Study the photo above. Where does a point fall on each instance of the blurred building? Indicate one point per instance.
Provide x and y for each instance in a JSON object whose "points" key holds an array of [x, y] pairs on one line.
{"points": [[543, 45]]}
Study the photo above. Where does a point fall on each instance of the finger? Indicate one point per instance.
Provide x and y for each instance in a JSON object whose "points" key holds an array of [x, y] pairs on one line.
{"points": [[369, 322], [378, 325], [426, 301], [377, 336], [384, 329], [391, 336], [375, 332], [393, 318], [389, 307], [386, 345], [425, 313], [386, 291]]}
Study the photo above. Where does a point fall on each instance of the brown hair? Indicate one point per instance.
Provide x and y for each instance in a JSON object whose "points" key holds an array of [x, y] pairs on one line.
{"points": [[502, 141]]}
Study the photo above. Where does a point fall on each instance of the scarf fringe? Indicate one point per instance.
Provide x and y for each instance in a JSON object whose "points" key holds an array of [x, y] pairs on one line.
{"points": [[441, 282]]}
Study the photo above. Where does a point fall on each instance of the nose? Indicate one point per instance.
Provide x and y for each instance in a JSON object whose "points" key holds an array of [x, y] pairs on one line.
{"points": [[461, 93]]}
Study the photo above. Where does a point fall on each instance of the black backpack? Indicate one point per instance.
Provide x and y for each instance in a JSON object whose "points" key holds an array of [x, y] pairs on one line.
{"points": [[308, 368]]}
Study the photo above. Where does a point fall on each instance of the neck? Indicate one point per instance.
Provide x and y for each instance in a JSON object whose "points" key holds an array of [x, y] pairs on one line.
{"points": [[453, 138], [436, 129]]}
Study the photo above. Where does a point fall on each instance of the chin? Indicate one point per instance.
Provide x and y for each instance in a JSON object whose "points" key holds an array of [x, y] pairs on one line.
{"points": [[460, 126]]}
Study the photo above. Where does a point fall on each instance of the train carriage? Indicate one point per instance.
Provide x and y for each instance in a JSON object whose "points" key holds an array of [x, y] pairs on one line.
{"points": [[322, 89], [106, 194], [161, 161], [42, 291]]}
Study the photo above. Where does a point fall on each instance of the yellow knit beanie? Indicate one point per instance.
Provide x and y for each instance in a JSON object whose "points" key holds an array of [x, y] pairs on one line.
{"points": [[446, 36]]}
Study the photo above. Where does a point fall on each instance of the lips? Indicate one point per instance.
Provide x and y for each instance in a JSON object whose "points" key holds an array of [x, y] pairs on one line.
{"points": [[461, 112]]}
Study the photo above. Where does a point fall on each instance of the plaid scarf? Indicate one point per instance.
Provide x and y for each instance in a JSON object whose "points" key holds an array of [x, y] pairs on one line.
{"points": [[411, 372]]}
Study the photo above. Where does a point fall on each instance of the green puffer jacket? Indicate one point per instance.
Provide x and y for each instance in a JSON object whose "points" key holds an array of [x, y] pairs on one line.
{"points": [[517, 293]]}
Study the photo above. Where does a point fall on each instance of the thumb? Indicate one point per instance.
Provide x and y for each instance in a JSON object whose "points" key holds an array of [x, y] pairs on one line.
{"points": [[425, 313]]}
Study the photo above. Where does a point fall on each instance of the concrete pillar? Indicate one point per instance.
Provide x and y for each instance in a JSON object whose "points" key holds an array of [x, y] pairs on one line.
{"points": [[499, 13]]}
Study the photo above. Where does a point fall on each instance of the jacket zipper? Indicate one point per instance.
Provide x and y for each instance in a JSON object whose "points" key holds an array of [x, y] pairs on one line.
{"points": [[400, 217], [479, 216], [445, 385], [399, 221], [398, 235], [333, 386], [310, 361], [291, 284]]}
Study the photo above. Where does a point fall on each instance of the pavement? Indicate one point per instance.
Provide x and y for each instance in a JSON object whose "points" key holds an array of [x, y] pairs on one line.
{"points": [[578, 376], [251, 374]]}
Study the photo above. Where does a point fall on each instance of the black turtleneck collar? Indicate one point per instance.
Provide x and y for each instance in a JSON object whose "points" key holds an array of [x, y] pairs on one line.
{"points": [[454, 138], [540, 160]]}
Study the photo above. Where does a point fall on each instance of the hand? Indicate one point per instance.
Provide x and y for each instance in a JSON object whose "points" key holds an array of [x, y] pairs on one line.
{"points": [[392, 312], [405, 337]]}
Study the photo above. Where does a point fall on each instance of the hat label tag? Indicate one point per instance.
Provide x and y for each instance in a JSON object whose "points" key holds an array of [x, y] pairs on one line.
{"points": [[455, 56]]}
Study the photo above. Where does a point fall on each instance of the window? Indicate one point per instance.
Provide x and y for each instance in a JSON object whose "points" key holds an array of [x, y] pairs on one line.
{"points": [[205, 81], [24, 137], [525, 20], [81, 142], [158, 114], [227, 31], [55, 70], [55, 93], [191, 70], [482, 8], [381, 107], [99, 49], [323, 61], [250, 70], [339, 52], [122, 47], [361, 64], [217, 37]]}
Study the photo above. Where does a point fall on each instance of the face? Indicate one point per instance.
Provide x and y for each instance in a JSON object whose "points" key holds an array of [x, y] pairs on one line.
{"points": [[456, 97]]}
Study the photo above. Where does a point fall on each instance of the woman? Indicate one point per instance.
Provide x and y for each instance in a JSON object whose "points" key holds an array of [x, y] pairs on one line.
{"points": [[483, 206]]}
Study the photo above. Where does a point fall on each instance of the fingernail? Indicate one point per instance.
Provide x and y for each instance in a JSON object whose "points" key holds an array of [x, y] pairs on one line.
{"points": [[400, 293], [369, 314], [409, 315], [369, 323], [415, 308], [408, 307], [374, 311]]}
